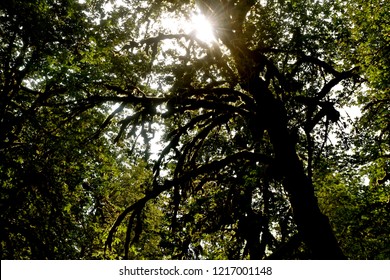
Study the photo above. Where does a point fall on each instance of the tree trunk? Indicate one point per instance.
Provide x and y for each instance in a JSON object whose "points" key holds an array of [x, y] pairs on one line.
{"points": [[313, 226]]}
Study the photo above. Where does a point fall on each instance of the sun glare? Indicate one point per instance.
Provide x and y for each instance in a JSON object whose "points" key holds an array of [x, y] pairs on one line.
{"points": [[203, 28]]}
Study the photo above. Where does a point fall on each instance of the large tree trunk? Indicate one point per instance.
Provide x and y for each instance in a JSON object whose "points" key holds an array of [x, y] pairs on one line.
{"points": [[313, 226]]}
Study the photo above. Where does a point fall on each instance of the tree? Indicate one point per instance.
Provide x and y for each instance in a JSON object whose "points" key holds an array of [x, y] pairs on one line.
{"points": [[357, 198], [263, 97], [248, 121], [57, 195]]}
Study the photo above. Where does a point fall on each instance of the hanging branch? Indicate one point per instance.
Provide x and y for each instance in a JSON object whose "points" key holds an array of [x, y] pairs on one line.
{"points": [[214, 166]]}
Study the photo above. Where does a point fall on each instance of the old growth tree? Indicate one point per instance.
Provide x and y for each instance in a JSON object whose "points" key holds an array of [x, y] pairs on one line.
{"points": [[256, 142], [249, 113]]}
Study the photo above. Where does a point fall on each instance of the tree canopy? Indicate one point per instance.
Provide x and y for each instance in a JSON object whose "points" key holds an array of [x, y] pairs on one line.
{"points": [[126, 134]]}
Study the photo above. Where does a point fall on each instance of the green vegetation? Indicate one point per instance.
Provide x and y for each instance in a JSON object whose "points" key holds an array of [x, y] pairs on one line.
{"points": [[259, 155]]}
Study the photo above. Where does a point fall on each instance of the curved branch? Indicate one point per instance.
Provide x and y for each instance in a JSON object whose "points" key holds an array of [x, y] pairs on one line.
{"points": [[175, 137], [200, 138], [158, 189]]}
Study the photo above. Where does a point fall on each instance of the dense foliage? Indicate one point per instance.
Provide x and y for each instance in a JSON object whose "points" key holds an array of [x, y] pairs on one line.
{"points": [[124, 134]]}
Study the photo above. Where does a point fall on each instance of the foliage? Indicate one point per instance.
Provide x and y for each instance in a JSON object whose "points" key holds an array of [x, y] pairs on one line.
{"points": [[57, 190], [356, 197], [256, 146]]}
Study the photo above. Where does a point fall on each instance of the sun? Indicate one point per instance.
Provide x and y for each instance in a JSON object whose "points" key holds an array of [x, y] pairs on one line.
{"points": [[203, 28]]}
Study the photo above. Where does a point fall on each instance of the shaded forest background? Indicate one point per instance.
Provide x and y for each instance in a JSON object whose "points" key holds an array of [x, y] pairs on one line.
{"points": [[122, 136]]}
